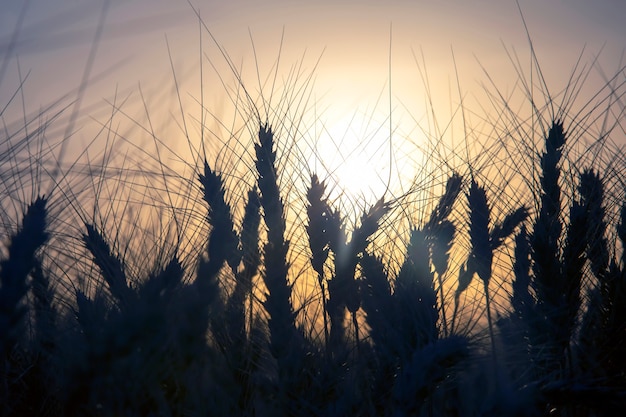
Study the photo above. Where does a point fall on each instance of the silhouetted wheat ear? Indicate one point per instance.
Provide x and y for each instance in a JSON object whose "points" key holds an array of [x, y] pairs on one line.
{"points": [[521, 299], [243, 351], [343, 288], [110, 265], [573, 270], [44, 313], [318, 230], [349, 259], [591, 190], [235, 338], [469, 268], [446, 202], [415, 296], [381, 314], [547, 228], [377, 302], [550, 323], [500, 232], [576, 243], [251, 256], [440, 241], [251, 260], [14, 271], [278, 298], [441, 232], [481, 256], [338, 285], [602, 341], [513, 326], [318, 214], [503, 230], [223, 242], [615, 307]]}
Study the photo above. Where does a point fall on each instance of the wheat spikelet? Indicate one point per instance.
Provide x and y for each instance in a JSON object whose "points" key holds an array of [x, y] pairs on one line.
{"points": [[440, 241], [318, 230], [110, 265], [278, 299], [45, 315], [286, 343], [251, 260], [416, 298], [382, 313], [241, 349], [573, 262], [514, 326], [481, 256], [223, 242], [358, 243], [14, 270], [602, 334], [318, 213], [591, 190], [503, 230], [441, 232], [343, 287], [377, 302], [251, 256], [521, 300], [339, 285], [445, 204], [547, 228]]}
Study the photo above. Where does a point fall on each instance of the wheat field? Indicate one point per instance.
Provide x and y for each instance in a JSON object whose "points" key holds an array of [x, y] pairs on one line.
{"points": [[229, 271]]}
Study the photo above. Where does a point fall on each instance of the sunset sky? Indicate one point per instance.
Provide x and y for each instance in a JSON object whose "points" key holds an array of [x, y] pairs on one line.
{"points": [[352, 40]]}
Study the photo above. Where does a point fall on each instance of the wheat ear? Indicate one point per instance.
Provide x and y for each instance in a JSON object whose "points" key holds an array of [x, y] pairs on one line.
{"points": [[223, 242], [547, 228], [110, 265], [318, 214], [14, 271], [251, 259], [441, 233], [415, 297], [343, 287], [278, 298]]}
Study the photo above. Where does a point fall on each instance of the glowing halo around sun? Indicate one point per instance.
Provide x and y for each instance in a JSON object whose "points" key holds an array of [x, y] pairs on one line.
{"points": [[353, 154]]}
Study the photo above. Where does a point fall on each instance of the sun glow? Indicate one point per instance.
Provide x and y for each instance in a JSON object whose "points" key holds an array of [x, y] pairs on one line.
{"points": [[354, 153]]}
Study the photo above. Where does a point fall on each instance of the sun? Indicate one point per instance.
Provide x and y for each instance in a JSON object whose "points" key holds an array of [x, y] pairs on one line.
{"points": [[361, 176], [354, 152]]}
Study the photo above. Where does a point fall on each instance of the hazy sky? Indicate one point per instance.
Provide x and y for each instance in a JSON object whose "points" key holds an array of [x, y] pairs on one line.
{"points": [[52, 40], [56, 35]]}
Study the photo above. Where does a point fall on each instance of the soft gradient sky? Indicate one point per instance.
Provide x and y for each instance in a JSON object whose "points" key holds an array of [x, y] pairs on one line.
{"points": [[351, 39]]}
